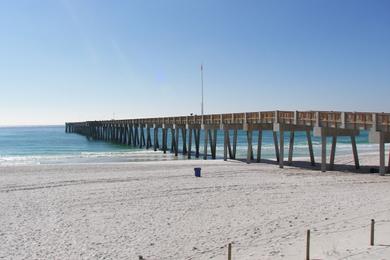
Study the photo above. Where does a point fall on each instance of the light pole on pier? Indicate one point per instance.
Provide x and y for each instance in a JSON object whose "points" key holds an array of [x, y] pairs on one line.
{"points": [[201, 76]]}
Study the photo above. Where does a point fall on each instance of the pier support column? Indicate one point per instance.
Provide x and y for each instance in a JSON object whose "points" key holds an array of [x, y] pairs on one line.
{"points": [[164, 139], [281, 151], [259, 144], [249, 153], [135, 135], [229, 146], [310, 145], [131, 135], [355, 152], [155, 139], [382, 169], [388, 166], [276, 145], [197, 142], [214, 151], [173, 140], [189, 143], [206, 131], [291, 147], [142, 137], [184, 139], [176, 148], [323, 153], [234, 143], [332, 152], [225, 143], [148, 138]]}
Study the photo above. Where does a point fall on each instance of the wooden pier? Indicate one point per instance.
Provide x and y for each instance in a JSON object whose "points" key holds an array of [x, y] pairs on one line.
{"points": [[139, 132]]}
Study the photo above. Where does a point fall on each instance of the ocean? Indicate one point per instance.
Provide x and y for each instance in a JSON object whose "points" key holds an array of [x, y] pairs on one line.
{"points": [[51, 145]]}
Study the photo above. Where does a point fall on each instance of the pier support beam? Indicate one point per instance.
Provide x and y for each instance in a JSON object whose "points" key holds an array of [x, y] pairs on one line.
{"points": [[176, 148], [276, 145], [197, 142], [184, 139], [213, 143], [164, 139], [325, 132], [332, 152], [382, 168], [259, 144], [225, 143], [281, 151], [323, 153], [148, 138], [206, 131], [142, 137], [189, 143], [291, 147], [155, 138], [249, 155], [380, 138], [355, 153], [310, 145], [234, 143]]}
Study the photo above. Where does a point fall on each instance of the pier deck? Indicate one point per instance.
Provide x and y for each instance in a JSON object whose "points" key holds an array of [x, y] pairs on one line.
{"points": [[137, 132]]}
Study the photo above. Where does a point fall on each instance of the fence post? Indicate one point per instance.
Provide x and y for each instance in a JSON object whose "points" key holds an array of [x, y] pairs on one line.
{"points": [[230, 251], [372, 232], [308, 245]]}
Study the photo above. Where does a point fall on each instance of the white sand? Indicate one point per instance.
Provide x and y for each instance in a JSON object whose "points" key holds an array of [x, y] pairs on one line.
{"points": [[161, 211]]}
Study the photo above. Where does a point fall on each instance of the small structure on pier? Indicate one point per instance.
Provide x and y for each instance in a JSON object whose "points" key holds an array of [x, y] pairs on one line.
{"points": [[138, 132]]}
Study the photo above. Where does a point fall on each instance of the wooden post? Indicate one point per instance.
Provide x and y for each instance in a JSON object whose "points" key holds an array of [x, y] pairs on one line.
{"points": [[164, 136], [189, 143], [281, 151], [355, 153], [172, 139], [250, 150], [234, 143], [276, 145], [225, 144], [388, 167], [214, 144], [323, 152], [230, 251], [197, 142], [229, 146], [148, 142], [176, 148], [332, 152], [184, 139], [372, 232], [155, 138], [205, 143], [259, 144], [308, 245], [291, 147], [381, 153], [142, 137], [310, 145], [135, 141]]}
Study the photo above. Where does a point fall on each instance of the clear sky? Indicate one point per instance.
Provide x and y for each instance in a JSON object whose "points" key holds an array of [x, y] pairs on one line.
{"points": [[70, 60]]}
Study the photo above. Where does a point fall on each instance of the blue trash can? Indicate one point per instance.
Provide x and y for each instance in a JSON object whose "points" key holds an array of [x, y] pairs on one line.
{"points": [[197, 171]]}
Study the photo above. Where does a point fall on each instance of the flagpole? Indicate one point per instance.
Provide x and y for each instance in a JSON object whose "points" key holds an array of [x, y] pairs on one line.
{"points": [[201, 75]]}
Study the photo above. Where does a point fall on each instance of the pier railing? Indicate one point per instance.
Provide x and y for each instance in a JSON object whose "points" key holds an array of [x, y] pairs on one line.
{"points": [[332, 119]]}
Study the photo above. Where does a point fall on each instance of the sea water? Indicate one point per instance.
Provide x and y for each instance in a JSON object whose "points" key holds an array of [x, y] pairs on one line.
{"points": [[50, 144]]}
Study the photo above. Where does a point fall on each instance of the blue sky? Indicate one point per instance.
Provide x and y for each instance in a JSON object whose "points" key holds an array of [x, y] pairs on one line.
{"points": [[70, 60]]}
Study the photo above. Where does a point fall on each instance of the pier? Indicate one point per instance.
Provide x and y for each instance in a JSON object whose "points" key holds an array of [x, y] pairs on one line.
{"points": [[144, 133]]}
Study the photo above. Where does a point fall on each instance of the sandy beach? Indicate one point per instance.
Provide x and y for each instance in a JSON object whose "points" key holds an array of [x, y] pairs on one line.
{"points": [[161, 211]]}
